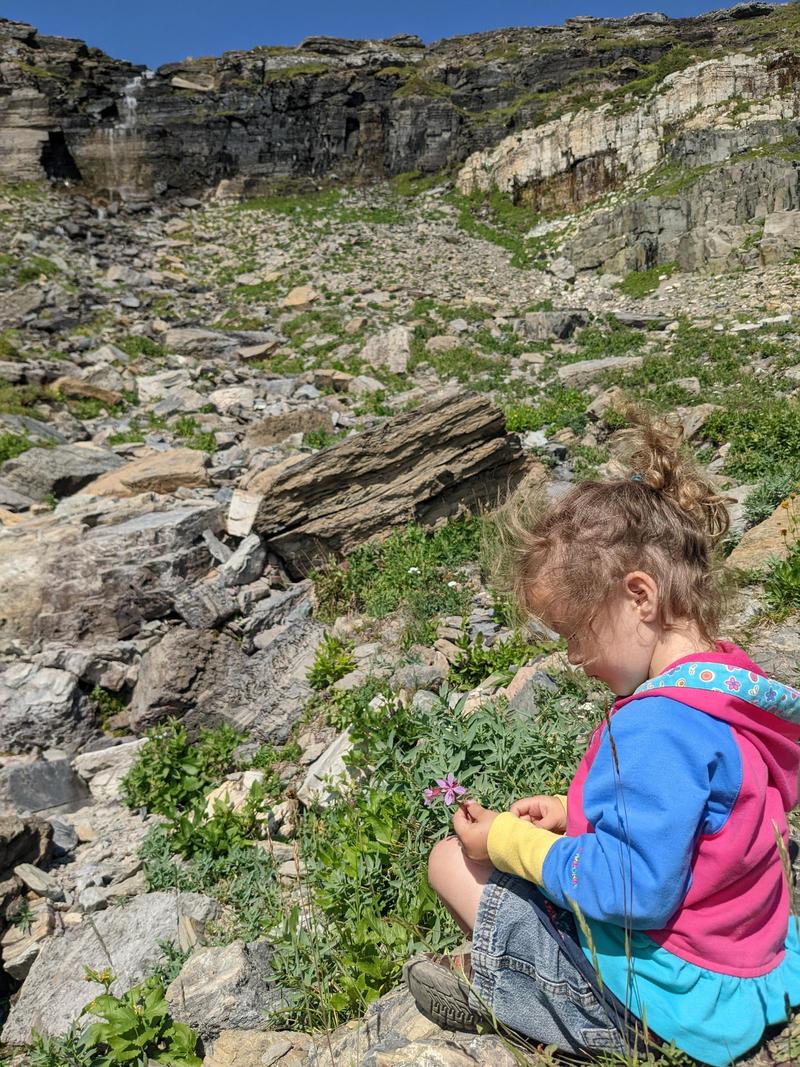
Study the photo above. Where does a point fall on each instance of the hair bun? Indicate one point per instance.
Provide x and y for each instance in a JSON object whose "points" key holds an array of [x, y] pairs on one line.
{"points": [[651, 450]]}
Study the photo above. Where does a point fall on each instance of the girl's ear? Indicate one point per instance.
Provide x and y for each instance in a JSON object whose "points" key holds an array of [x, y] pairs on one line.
{"points": [[641, 592]]}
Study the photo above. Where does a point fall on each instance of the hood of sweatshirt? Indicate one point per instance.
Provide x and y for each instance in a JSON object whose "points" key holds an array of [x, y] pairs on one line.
{"points": [[728, 685]]}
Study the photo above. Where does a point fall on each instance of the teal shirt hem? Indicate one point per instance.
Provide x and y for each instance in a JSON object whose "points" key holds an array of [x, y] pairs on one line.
{"points": [[713, 1017]]}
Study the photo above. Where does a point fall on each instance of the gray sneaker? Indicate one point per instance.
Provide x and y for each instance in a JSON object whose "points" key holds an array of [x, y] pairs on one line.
{"points": [[442, 995]]}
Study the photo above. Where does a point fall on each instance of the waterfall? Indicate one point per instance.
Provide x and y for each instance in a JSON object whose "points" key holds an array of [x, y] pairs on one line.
{"points": [[125, 143]]}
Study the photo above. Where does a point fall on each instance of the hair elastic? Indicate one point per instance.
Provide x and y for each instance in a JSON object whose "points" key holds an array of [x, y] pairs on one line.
{"points": [[636, 477]]}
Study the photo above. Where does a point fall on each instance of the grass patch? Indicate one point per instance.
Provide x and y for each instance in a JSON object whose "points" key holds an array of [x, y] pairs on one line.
{"points": [[758, 433], [640, 283], [555, 408], [36, 267], [13, 444], [409, 572], [413, 182], [140, 346], [187, 428], [493, 216]]}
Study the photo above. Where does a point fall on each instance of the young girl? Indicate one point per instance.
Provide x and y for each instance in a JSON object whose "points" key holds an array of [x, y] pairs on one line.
{"points": [[650, 903]]}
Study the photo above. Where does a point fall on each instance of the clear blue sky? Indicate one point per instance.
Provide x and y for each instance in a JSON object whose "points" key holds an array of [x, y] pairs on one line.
{"points": [[159, 31]]}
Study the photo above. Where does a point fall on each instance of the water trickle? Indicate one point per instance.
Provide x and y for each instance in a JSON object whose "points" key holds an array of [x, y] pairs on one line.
{"points": [[127, 175]]}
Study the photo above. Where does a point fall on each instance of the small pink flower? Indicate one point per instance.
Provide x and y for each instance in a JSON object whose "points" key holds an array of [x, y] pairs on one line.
{"points": [[450, 788], [733, 684], [431, 795]]}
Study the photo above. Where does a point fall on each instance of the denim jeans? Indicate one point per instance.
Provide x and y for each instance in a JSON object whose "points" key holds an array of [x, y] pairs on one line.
{"points": [[530, 971]]}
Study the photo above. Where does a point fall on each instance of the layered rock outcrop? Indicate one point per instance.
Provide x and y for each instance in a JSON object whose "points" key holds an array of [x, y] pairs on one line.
{"points": [[356, 109]]}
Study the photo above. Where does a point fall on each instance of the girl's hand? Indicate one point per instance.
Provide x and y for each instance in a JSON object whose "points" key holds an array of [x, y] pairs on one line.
{"points": [[472, 823], [547, 812]]}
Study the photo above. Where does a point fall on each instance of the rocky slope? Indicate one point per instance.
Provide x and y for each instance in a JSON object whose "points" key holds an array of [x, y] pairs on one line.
{"points": [[196, 401], [204, 400]]}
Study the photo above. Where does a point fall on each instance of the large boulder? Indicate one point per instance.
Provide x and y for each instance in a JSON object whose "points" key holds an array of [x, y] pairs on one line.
{"points": [[126, 940], [98, 571], [205, 678], [419, 466]]}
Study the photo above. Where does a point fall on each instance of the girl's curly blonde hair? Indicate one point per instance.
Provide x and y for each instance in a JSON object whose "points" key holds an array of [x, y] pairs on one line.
{"points": [[657, 513]]}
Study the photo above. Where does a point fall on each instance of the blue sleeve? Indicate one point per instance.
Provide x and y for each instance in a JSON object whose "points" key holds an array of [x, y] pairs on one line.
{"points": [[664, 774]]}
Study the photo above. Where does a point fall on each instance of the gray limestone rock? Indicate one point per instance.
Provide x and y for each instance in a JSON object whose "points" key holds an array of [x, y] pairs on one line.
{"points": [[44, 785], [99, 570], [391, 350], [246, 563], [586, 370], [42, 706], [62, 470], [228, 987], [124, 939], [544, 325]]}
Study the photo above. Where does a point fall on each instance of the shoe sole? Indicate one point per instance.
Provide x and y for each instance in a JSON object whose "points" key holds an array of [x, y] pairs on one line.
{"points": [[441, 996]]}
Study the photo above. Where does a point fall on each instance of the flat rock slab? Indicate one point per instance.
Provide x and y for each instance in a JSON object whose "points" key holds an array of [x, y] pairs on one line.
{"points": [[162, 472], [416, 467], [61, 470], [586, 370], [124, 939]]}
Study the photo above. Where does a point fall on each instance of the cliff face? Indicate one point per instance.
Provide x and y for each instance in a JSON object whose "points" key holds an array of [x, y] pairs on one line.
{"points": [[357, 109]]}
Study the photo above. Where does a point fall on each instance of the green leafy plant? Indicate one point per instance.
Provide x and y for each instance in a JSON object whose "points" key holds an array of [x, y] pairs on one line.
{"points": [[773, 488], [23, 916], [478, 660], [193, 831], [332, 661], [137, 1028], [171, 774], [782, 585]]}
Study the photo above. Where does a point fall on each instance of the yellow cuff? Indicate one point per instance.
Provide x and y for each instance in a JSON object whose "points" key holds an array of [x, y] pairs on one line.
{"points": [[518, 847], [563, 799]]}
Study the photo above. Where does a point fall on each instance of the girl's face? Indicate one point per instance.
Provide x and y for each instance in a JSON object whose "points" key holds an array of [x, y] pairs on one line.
{"points": [[618, 649]]}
